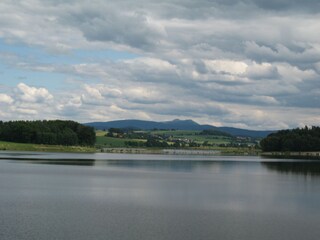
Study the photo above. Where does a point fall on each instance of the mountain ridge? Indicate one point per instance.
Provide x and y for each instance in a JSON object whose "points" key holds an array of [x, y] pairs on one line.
{"points": [[176, 124]]}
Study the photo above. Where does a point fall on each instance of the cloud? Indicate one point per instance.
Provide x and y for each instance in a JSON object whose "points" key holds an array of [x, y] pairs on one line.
{"points": [[287, 5], [25, 102], [145, 95], [264, 99], [261, 71], [6, 99], [281, 53], [226, 66], [32, 94], [92, 95], [70, 106], [221, 61], [109, 25], [24, 111]]}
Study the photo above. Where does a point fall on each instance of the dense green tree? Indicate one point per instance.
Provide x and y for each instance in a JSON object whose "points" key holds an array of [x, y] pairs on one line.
{"points": [[55, 132], [214, 133], [152, 142], [86, 135], [299, 139]]}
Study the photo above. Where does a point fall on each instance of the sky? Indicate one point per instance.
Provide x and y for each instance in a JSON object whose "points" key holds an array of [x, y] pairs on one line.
{"points": [[251, 64]]}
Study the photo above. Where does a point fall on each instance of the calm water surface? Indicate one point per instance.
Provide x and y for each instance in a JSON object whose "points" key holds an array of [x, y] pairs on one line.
{"points": [[119, 196]]}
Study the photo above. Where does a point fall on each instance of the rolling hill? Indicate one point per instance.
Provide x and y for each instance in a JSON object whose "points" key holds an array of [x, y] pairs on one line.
{"points": [[177, 125]]}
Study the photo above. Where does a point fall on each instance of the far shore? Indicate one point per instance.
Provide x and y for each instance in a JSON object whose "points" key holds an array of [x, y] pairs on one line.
{"points": [[160, 151], [11, 146], [21, 147], [182, 151], [296, 155]]}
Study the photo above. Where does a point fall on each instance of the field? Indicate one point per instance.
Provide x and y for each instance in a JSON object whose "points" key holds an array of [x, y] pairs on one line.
{"points": [[110, 142], [194, 136], [10, 146], [210, 142], [103, 141]]}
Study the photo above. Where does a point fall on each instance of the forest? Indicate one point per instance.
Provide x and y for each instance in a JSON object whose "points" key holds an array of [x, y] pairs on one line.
{"points": [[51, 132], [295, 140]]}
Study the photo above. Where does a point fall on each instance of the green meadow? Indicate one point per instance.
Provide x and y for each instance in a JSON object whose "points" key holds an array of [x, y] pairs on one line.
{"points": [[194, 136], [11, 146], [216, 142]]}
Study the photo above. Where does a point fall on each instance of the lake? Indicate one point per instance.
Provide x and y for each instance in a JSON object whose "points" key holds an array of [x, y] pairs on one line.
{"points": [[123, 196]]}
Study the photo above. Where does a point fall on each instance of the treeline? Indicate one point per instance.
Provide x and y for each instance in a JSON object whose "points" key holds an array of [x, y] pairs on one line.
{"points": [[296, 140], [152, 142], [214, 133], [52, 132]]}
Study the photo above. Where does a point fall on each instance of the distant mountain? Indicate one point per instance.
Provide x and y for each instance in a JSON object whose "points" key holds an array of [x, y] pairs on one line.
{"points": [[148, 125], [245, 132], [177, 125]]}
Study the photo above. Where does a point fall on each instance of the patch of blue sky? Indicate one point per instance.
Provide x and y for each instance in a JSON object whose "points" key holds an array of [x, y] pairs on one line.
{"points": [[36, 55], [53, 81], [39, 55], [11, 77]]}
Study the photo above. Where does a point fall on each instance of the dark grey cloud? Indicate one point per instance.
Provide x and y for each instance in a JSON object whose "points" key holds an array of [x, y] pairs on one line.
{"points": [[301, 56], [281, 5], [108, 24], [276, 5], [200, 66]]}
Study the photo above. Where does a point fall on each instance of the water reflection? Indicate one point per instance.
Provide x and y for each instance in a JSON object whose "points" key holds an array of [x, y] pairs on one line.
{"points": [[307, 168], [72, 162], [68, 162], [187, 166], [174, 165], [215, 199], [297, 168]]}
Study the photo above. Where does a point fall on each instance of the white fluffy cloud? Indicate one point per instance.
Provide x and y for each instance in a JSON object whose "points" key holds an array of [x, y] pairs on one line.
{"points": [[227, 66], [6, 99], [26, 102], [262, 71], [31, 94]]}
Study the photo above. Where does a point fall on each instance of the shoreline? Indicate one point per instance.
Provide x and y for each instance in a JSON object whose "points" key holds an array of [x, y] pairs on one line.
{"points": [[161, 151], [25, 147], [30, 147], [294, 155], [181, 151]]}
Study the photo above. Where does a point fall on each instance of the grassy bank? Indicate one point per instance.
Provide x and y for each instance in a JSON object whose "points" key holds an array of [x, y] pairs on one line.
{"points": [[185, 151], [10, 146]]}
